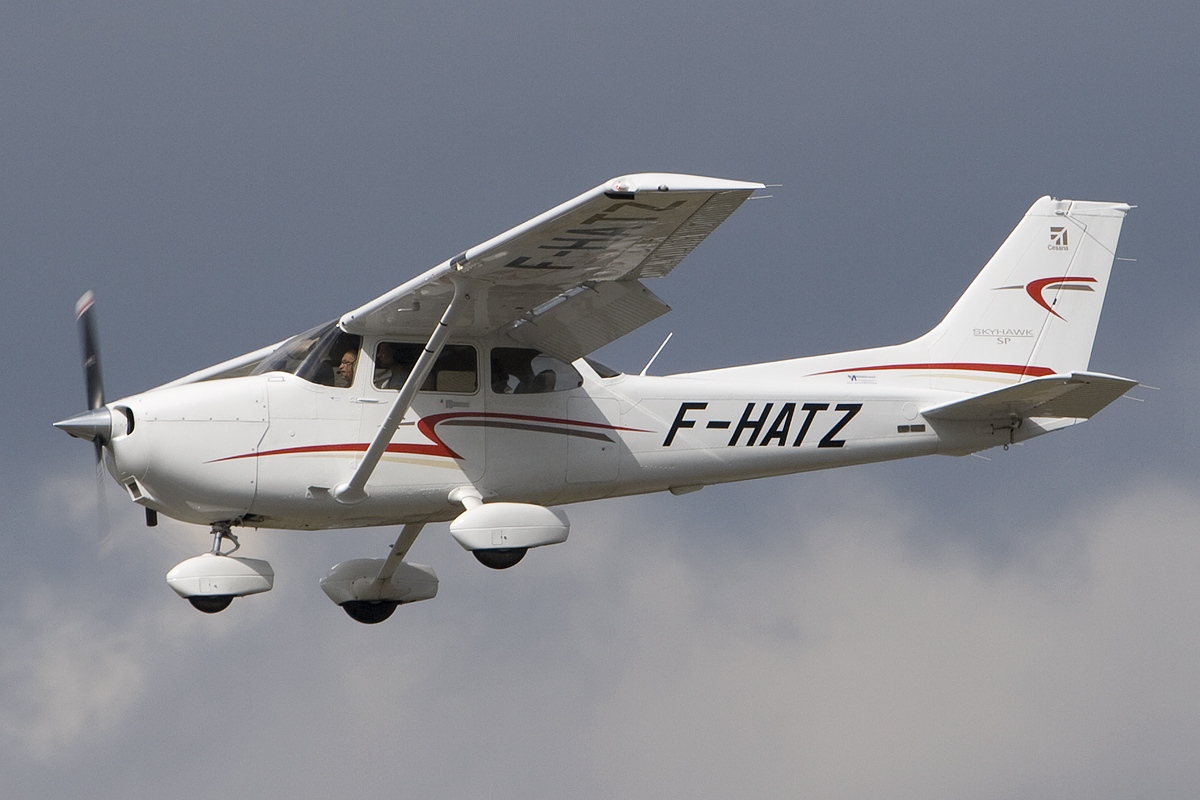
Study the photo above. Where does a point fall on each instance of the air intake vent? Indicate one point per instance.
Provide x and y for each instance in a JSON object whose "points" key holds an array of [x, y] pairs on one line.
{"points": [[128, 414]]}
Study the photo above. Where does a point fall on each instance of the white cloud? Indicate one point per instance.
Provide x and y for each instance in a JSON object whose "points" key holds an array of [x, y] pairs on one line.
{"points": [[64, 682], [825, 650], [919, 677], [73, 672]]}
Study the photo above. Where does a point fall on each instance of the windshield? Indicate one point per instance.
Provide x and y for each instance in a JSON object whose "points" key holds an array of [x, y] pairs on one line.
{"points": [[325, 355]]}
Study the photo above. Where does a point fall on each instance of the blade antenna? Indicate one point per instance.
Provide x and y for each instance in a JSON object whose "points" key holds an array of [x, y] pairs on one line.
{"points": [[656, 352]]}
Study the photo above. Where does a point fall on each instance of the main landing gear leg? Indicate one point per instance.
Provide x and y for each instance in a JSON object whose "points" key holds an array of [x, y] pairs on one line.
{"points": [[373, 611], [369, 589]]}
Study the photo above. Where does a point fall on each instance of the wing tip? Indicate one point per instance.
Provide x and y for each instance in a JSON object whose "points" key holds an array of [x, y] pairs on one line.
{"points": [[86, 301], [675, 182]]}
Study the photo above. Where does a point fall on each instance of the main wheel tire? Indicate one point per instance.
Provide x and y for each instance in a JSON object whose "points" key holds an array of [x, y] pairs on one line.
{"points": [[369, 612], [211, 603], [502, 558]]}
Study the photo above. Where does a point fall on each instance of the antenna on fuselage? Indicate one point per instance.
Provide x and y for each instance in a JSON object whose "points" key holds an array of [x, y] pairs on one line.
{"points": [[656, 352]]}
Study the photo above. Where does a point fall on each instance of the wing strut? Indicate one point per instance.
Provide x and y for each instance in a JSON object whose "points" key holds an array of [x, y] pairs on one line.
{"points": [[408, 535], [353, 490]]}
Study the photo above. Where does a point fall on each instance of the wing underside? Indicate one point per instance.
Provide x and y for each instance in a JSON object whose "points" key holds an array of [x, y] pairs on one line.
{"points": [[569, 280]]}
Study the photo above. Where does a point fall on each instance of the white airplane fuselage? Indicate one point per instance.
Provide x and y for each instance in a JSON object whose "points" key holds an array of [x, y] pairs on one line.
{"points": [[266, 450]]}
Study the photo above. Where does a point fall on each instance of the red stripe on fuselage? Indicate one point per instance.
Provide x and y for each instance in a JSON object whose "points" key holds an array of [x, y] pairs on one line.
{"points": [[437, 449], [1009, 369]]}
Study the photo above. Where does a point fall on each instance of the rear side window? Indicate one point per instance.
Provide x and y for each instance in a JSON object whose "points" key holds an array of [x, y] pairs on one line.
{"points": [[523, 370]]}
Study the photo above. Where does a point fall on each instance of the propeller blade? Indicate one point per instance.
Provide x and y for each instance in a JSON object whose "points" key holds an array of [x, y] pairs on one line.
{"points": [[95, 424], [103, 518], [85, 314]]}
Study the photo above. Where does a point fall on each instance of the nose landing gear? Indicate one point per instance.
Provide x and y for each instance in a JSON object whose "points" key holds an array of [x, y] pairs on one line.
{"points": [[220, 531], [210, 581]]}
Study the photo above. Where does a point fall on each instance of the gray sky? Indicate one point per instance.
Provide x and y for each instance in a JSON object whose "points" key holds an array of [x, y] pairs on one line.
{"points": [[224, 176]]}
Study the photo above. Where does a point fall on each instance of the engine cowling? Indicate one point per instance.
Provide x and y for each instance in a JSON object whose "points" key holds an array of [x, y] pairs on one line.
{"points": [[211, 581], [500, 533]]}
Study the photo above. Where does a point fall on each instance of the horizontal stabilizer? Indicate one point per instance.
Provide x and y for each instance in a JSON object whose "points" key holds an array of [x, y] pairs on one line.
{"points": [[1078, 395]]}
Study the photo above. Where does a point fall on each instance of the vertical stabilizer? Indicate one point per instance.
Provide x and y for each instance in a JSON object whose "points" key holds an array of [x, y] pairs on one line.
{"points": [[1034, 308]]}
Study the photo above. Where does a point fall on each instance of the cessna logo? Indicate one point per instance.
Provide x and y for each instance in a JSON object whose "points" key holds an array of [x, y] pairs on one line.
{"points": [[1058, 238]]}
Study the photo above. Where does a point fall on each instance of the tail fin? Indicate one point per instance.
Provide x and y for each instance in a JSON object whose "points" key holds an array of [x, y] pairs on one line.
{"points": [[1034, 308]]}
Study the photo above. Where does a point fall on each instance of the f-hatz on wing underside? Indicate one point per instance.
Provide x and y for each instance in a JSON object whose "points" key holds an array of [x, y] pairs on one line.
{"points": [[466, 394]]}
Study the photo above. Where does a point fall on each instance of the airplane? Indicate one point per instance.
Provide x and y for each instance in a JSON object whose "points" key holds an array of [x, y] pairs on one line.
{"points": [[469, 395]]}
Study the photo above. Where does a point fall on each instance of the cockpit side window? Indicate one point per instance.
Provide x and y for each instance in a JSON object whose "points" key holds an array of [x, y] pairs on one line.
{"points": [[523, 370], [332, 361]]}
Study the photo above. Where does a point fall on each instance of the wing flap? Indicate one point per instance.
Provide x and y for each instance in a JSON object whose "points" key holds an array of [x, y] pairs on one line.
{"points": [[589, 318], [1078, 395]]}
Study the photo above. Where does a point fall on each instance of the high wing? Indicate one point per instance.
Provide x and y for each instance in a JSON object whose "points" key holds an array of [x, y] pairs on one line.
{"points": [[567, 281], [1078, 396]]}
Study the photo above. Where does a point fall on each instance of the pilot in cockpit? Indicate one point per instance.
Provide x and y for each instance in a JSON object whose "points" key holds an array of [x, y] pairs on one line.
{"points": [[344, 371]]}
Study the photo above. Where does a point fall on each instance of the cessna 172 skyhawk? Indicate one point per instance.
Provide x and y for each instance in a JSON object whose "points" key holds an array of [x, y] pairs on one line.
{"points": [[466, 393]]}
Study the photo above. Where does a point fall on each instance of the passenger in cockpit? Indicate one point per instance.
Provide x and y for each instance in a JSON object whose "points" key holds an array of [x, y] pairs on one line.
{"points": [[512, 370], [389, 372]]}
